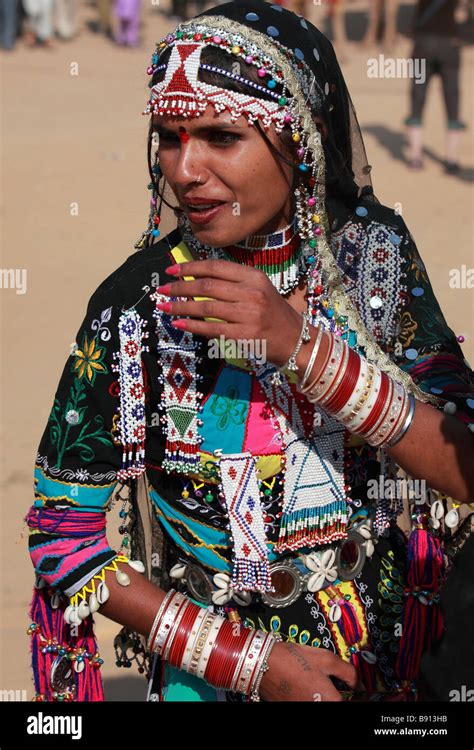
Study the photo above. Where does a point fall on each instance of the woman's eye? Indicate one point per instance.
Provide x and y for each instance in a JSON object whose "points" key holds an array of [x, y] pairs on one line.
{"points": [[167, 137], [219, 136], [226, 138]]}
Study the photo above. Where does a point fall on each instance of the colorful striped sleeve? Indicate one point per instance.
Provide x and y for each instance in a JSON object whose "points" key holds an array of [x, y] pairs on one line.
{"points": [[78, 460]]}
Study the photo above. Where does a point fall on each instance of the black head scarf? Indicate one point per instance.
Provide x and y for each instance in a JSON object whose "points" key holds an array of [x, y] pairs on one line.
{"points": [[347, 170], [320, 88]]}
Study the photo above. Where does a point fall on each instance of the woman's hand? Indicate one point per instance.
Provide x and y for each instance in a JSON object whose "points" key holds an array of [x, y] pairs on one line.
{"points": [[301, 673], [242, 297]]}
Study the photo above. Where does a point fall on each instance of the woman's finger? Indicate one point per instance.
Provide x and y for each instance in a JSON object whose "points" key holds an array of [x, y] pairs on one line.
{"points": [[344, 671], [229, 312], [207, 287], [329, 693], [207, 329], [215, 269]]}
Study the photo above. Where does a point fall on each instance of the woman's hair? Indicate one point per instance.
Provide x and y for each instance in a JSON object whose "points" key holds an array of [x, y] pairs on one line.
{"points": [[221, 59]]}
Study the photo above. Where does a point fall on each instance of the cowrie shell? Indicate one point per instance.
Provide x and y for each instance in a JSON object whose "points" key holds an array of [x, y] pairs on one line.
{"points": [[93, 603], [315, 582], [368, 656], [437, 510], [242, 597], [103, 592], [122, 578], [335, 613], [364, 531], [74, 618], [222, 580], [79, 665], [221, 596], [67, 614], [137, 565], [178, 571], [452, 519], [83, 610]]}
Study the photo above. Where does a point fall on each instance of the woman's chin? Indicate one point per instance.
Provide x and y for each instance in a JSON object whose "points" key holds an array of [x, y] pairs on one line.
{"points": [[216, 236]]}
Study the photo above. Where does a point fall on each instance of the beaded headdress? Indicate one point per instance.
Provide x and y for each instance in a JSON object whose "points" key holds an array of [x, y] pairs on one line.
{"points": [[291, 55]]}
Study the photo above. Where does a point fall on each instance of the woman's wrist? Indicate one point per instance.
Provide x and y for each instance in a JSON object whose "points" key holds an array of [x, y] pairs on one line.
{"points": [[353, 391], [223, 653]]}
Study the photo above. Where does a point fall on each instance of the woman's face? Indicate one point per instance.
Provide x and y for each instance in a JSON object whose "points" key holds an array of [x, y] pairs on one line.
{"points": [[235, 166]]}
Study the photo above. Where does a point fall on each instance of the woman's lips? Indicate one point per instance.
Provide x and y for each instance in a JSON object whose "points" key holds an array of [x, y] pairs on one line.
{"points": [[203, 217]]}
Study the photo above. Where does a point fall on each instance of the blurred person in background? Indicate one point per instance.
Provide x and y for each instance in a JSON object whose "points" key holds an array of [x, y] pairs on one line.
{"points": [[66, 19], [104, 9], [40, 23], [436, 39], [389, 38], [8, 23], [127, 14]]}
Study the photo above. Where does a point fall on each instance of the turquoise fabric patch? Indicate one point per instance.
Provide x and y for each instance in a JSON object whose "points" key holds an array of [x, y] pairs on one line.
{"points": [[225, 412], [91, 497], [207, 535], [181, 686]]}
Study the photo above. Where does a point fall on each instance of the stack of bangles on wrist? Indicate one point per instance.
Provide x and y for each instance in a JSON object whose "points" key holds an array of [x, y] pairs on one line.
{"points": [[356, 393], [223, 653]]}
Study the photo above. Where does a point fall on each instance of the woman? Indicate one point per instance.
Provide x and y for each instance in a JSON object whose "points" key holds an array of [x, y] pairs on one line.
{"points": [[225, 361]]}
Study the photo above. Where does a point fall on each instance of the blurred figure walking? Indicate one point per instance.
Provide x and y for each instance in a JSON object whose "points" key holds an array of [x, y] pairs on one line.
{"points": [[127, 14], [436, 39], [8, 23], [104, 9], [66, 19], [40, 23], [389, 39]]}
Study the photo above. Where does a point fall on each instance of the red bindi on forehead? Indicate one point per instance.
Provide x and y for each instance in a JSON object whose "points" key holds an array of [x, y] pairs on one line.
{"points": [[183, 135]]}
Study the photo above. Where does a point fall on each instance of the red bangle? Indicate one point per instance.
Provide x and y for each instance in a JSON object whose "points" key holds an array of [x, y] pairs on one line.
{"points": [[165, 644], [397, 422], [334, 378], [346, 387], [232, 663], [377, 407], [219, 654], [385, 410], [229, 652], [175, 656]]}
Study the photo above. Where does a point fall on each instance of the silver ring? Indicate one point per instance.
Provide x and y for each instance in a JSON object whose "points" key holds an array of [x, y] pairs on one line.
{"points": [[347, 570]]}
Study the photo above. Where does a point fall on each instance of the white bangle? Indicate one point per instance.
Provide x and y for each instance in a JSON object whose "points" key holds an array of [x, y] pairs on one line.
{"points": [[209, 645], [161, 608], [188, 651], [304, 337], [312, 358]]}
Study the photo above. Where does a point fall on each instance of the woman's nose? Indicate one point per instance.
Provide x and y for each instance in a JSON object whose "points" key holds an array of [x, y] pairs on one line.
{"points": [[190, 162]]}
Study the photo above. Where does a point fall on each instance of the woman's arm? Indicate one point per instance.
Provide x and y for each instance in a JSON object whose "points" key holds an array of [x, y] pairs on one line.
{"points": [[295, 672], [437, 447]]}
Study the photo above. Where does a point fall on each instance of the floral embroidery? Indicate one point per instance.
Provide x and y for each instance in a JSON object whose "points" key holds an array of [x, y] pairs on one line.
{"points": [[61, 433], [98, 325], [89, 360], [228, 408], [406, 328]]}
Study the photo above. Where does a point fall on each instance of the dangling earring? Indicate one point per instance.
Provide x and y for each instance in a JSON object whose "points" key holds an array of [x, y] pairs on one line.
{"points": [[156, 210], [154, 218]]}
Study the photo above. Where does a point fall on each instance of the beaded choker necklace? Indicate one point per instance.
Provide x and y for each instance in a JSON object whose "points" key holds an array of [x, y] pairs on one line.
{"points": [[280, 255]]}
